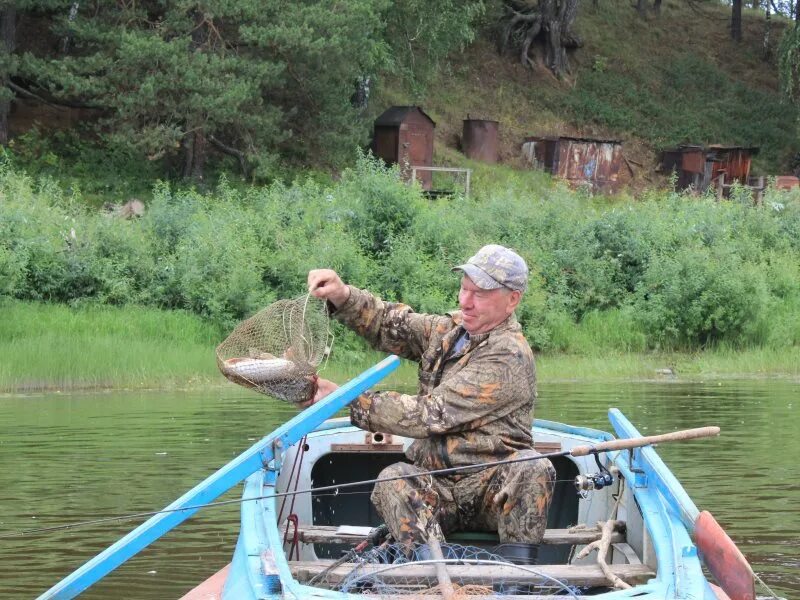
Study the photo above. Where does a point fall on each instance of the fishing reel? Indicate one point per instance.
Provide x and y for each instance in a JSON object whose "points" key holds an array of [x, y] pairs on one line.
{"points": [[594, 481]]}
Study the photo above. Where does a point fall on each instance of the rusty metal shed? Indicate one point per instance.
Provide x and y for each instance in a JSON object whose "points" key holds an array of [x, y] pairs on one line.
{"points": [[404, 136], [699, 167], [479, 139], [579, 160]]}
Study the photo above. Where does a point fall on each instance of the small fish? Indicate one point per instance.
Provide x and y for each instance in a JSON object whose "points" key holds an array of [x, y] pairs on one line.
{"points": [[259, 370]]}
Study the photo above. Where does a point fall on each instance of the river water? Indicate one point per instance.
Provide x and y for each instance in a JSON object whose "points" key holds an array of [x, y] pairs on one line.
{"points": [[66, 458]]}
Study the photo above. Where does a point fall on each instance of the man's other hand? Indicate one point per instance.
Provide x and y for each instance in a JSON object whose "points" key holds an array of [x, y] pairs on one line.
{"points": [[326, 284], [324, 387]]}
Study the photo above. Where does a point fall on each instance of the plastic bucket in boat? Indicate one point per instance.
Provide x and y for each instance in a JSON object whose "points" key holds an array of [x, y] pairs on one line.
{"points": [[518, 553]]}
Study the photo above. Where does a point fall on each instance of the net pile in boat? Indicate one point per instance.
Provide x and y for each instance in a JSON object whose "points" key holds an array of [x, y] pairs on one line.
{"points": [[388, 571], [278, 350]]}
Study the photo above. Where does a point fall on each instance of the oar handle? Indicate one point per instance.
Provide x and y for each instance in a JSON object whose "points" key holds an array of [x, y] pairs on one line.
{"points": [[638, 442]]}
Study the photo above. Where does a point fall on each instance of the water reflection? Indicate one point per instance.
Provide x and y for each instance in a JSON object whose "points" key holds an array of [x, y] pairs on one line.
{"points": [[71, 458]]}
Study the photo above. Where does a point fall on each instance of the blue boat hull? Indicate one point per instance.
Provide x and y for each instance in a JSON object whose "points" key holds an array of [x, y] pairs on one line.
{"points": [[659, 513]]}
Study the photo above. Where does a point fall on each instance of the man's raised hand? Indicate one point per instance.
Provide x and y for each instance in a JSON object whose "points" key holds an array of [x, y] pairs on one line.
{"points": [[326, 284]]}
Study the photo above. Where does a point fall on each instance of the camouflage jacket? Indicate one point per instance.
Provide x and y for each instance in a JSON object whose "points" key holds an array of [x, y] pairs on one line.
{"points": [[472, 406]]}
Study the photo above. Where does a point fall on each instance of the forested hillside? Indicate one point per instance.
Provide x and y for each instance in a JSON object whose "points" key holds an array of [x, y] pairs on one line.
{"points": [[263, 89]]}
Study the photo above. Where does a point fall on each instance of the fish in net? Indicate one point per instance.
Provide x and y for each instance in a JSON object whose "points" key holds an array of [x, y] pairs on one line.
{"points": [[278, 350], [459, 573]]}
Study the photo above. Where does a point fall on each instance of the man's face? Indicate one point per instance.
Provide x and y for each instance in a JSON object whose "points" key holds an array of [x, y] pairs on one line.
{"points": [[483, 310]]}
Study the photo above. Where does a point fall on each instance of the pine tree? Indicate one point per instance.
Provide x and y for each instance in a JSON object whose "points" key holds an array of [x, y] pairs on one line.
{"points": [[250, 77]]}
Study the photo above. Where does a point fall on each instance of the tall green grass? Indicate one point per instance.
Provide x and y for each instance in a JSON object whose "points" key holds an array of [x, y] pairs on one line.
{"points": [[52, 347], [48, 347]]}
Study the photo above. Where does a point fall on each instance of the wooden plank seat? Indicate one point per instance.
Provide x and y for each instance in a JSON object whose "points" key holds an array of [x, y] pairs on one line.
{"points": [[578, 575], [332, 534]]}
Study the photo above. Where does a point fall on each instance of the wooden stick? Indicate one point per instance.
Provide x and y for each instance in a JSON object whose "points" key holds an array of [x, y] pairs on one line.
{"points": [[445, 584], [602, 546], [625, 444]]}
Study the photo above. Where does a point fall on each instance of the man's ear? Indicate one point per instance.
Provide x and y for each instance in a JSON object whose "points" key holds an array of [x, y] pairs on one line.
{"points": [[513, 299]]}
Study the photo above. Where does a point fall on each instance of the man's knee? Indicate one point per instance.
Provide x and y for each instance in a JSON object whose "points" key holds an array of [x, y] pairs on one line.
{"points": [[537, 471], [529, 486], [390, 492]]}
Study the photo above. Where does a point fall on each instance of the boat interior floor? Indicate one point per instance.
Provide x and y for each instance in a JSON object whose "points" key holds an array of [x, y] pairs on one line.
{"points": [[586, 576]]}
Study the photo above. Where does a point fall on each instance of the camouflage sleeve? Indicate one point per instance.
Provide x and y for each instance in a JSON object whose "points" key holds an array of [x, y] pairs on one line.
{"points": [[492, 385], [387, 326]]}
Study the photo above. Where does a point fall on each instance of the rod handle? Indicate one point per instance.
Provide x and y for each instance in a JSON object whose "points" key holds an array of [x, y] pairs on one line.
{"points": [[638, 442]]}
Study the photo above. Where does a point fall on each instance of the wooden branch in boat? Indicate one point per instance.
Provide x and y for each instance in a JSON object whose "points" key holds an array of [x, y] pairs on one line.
{"points": [[330, 534], [580, 575], [602, 545]]}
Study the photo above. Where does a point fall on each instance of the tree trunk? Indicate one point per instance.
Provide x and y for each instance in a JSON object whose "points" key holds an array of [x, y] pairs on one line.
{"points": [[736, 20], [797, 11], [73, 14], [195, 153], [195, 143], [766, 45], [8, 31], [641, 7], [757, 4], [657, 7], [547, 25]]}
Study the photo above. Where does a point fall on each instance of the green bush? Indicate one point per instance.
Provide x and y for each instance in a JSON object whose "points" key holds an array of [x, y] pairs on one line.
{"points": [[666, 271]]}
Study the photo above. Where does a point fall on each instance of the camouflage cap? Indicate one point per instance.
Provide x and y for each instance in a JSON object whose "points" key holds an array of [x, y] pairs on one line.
{"points": [[495, 267]]}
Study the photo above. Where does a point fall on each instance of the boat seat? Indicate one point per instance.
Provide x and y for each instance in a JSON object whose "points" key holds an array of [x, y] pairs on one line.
{"points": [[345, 534], [577, 575]]}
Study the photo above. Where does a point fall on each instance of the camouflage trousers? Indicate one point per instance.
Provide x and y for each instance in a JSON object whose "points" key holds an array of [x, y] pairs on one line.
{"points": [[510, 499]]}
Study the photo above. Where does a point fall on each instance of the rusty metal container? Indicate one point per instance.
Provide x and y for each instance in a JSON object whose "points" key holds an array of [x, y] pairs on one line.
{"points": [[786, 182], [404, 136], [479, 140], [700, 167], [581, 161]]}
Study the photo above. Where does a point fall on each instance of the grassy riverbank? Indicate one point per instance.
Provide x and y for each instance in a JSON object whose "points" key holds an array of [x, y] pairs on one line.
{"points": [[56, 347]]}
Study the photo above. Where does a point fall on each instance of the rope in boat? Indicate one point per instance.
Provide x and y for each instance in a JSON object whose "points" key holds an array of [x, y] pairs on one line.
{"points": [[294, 480]]}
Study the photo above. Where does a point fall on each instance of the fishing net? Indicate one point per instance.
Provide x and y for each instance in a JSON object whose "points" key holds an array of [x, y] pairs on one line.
{"points": [[462, 572], [278, 350]]}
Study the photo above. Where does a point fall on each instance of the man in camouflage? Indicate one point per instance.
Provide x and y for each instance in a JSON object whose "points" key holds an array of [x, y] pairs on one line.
{"points": [[474, 405]]}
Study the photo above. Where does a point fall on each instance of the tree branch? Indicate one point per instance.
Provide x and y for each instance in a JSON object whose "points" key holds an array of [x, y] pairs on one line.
{"points": [[230, 150], [28, 94]]}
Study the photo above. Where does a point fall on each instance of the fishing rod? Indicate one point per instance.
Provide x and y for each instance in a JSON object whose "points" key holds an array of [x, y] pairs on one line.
{"points": [[577, 451]]}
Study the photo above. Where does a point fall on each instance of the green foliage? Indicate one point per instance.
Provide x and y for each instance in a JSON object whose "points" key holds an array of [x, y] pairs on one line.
{"points": [[789, 62], [268, 82], [663, 272], [111, 172], [375, 211], [270, 79], [422, 33]]}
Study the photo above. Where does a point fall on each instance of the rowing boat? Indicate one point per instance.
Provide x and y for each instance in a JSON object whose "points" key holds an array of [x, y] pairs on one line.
{"points": [[620, 524]]}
